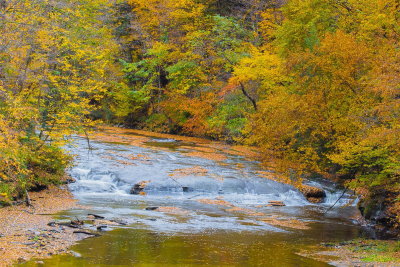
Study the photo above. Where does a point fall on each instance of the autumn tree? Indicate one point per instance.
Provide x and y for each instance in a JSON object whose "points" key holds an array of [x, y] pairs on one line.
{"points": [[336, 109], [57, 62]]}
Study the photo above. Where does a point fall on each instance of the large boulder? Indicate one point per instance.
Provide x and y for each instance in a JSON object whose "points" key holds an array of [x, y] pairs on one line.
{"points": [[382, 213], [312, 193]]}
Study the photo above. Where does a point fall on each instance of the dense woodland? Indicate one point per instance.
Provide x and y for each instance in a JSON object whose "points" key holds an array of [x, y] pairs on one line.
{"points": [[314, 84]]}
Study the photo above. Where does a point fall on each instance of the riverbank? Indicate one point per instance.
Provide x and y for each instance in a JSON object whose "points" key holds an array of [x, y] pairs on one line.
{"points": [[358, 252], [25, 233], [183, 165]]}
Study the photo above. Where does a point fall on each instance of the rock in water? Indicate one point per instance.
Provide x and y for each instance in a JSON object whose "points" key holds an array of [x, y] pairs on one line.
{"points": [[94, 216], [313, 194], [138, 188], [151, 208], [75, 254], [274, 203], [101, 227], [187, 189]]}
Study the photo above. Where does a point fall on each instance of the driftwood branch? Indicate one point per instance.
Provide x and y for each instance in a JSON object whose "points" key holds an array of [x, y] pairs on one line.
{"points": [[331, 207], [28, 199], [87, 140], [86, 233]]}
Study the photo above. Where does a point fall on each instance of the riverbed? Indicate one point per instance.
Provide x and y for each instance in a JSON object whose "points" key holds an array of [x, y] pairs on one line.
{"points": [[201, 203]]}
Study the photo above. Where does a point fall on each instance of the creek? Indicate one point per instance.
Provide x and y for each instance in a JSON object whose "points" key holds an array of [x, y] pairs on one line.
{"points": [[213, 206]]}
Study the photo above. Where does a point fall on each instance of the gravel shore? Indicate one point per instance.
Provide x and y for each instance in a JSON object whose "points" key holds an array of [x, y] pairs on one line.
{"points": [[25, 233]]}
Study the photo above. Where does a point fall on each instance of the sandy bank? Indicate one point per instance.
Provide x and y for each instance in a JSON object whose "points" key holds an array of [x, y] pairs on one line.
{"points": [[24, 233]]}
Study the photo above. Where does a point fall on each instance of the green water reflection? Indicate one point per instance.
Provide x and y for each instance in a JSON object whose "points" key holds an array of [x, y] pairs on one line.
{"points": [[133, 247]]}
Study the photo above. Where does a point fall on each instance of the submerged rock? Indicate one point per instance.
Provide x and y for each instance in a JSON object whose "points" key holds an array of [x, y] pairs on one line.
{"points": [[95, 216], [274, 203], [187, 189], [101, 227], [21, 260], [119, 222], [313, 194], [75, 254], [151, 208]]}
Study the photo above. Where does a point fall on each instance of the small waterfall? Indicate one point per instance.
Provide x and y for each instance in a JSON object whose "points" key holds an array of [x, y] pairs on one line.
{"points": [[109, 172], [335, 195]]}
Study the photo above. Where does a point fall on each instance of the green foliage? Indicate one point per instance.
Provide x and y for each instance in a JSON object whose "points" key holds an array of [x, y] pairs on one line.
{"points": [[304, 23], [184, 76], [229, 118], [374, 251], [158, 122], [47, 165], [378, 258]]}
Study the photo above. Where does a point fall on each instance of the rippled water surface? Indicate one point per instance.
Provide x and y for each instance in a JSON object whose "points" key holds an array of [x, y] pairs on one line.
{"points": [[213, 206]]}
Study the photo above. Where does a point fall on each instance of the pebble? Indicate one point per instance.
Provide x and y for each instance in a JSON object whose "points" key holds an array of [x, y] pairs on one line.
{"points": [[75, 254], [21, 259]]}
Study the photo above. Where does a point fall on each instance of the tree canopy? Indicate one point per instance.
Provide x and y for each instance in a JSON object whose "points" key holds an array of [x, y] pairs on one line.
{"points": [[314, 84]]}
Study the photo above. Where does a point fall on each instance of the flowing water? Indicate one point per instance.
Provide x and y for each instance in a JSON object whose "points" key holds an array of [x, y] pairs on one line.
{"points": [[213, 207]]}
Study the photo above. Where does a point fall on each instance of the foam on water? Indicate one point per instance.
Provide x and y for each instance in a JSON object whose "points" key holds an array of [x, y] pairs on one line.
{"points": [[105, 178]]}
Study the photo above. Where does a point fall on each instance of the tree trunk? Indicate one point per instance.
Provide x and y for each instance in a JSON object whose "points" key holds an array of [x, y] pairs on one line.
{"points": [[248, 96]]}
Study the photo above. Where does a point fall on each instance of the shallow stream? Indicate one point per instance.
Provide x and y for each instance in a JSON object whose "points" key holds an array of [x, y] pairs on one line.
{"points": [[213, 206]]}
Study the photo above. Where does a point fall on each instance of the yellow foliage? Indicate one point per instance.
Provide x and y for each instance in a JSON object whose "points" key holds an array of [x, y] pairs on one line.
{"points": [[55, 61]]}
